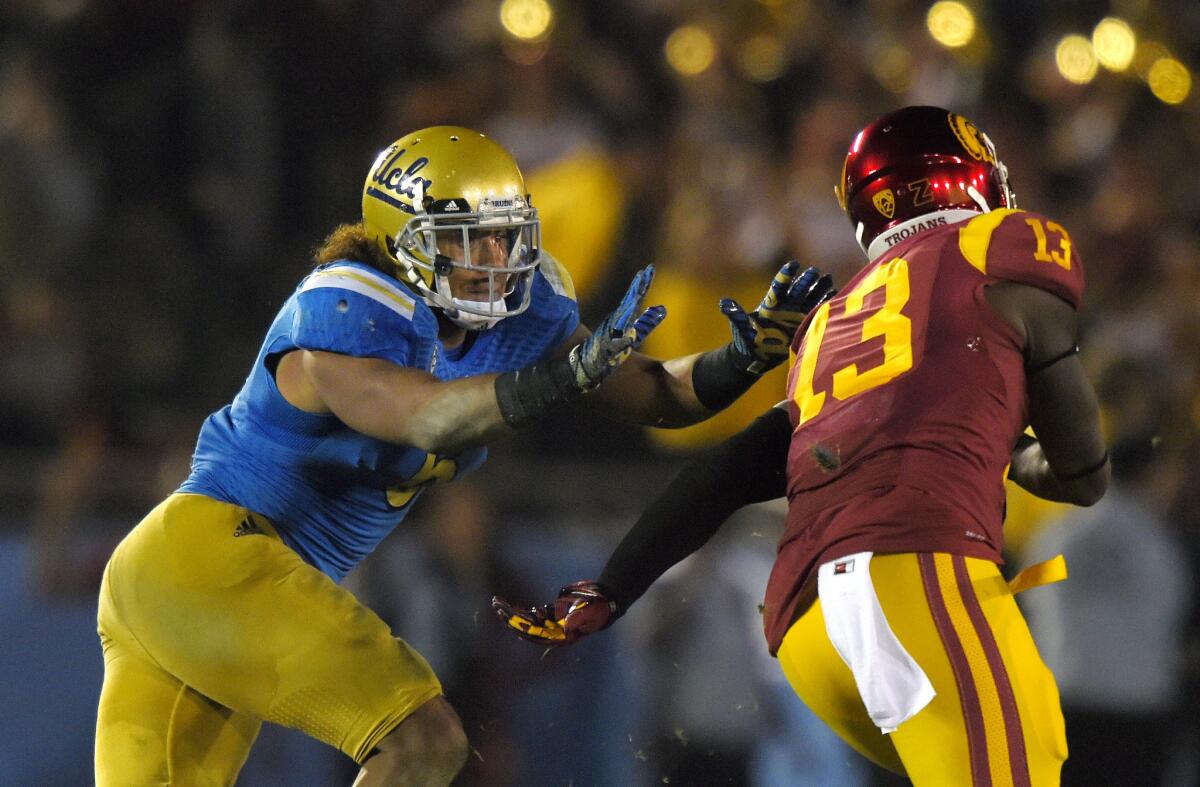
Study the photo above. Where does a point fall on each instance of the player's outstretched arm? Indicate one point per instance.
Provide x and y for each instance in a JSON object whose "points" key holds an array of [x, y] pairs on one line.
{"points": [[1067, 460], [747, 468], [689, 389], [412, 407]]}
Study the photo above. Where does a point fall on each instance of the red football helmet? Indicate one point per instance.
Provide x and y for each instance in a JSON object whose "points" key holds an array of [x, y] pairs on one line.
{"points": [[913, 163]]}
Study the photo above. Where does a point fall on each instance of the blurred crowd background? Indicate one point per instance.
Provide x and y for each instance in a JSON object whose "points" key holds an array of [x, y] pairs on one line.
{"points": [[167, 168]]}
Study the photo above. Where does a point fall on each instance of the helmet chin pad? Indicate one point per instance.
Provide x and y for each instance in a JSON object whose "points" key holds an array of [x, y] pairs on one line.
{"points": [[470, 314]]}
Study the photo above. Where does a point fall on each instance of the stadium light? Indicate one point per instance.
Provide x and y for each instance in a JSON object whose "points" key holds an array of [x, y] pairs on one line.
{"points": [[1147, 54], [1114, 42], [690, 50], [892, 68], [1169, 80], [1075, 59], [761, 58], [950, 23], [528, 20]]}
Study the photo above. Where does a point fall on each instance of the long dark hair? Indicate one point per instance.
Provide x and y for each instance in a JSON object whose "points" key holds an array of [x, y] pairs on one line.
{"points": [[350, 242]]}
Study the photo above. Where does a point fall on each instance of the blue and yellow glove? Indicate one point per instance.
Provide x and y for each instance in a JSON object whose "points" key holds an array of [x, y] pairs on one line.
{"points": [[581, 608], [523, 395], [618, 335], [761, 338]]}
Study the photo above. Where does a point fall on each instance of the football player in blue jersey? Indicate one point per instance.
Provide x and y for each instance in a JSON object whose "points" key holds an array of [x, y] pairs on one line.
{"points": [[427, 330]]}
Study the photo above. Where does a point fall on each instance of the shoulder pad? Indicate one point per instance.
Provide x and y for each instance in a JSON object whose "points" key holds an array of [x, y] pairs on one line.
{"points": [[1024, 247], [358, 311], [557, 275]]}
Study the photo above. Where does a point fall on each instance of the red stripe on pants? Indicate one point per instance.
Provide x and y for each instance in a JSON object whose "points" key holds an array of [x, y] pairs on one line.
{"points": [[972, 713]]}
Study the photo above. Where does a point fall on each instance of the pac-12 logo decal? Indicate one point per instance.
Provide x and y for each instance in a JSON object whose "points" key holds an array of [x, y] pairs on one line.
{"points": [[973, 140], [885, 202]]}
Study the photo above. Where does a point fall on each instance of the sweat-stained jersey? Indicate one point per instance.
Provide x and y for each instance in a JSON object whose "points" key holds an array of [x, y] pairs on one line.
{"points": [[906, 396], [332, 493]]}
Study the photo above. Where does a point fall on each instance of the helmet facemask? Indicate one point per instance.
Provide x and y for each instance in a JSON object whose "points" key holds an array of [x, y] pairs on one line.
{"points": [[448, 206], [495, 248]]}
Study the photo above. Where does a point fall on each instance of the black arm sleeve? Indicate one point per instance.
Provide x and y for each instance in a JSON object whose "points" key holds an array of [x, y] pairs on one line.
{"points": [[749, 467]]}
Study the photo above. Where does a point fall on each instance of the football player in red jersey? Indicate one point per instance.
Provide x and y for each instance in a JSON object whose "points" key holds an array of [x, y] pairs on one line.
{"points": [[908, 402]]}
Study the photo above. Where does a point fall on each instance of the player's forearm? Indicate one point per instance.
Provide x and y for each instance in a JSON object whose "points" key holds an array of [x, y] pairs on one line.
{"points": [[439, 417], [461, 414], [500, 403], [1031, 471], [747, 468], [649, 392], [411, 407], [676, 393]]}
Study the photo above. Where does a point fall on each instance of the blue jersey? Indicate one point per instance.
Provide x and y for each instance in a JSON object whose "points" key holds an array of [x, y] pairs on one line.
{"points": [[331, 492]]}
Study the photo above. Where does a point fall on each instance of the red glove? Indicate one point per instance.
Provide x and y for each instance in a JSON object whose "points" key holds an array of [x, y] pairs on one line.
{"points": [[580, 609]]}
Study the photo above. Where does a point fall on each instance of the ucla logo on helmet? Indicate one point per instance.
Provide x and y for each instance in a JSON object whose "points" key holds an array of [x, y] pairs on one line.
{"points": [[397, 178], [885, 202], [974, 141]]}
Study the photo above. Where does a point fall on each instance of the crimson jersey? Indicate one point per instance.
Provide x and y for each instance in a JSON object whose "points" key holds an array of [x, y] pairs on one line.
{"points": [[906, 396]]}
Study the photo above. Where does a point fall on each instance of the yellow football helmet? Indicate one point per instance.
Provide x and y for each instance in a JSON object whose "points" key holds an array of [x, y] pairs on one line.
{"points": [[435, 195]]}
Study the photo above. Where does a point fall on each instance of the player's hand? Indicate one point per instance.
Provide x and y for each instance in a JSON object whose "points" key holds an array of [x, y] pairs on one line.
{"points": [[762, 337], [617, 336], [580, 609]]}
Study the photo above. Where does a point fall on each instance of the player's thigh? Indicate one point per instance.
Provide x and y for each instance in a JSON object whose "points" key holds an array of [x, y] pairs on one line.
{"points": [[239, 616], [822, 680], [995, 718], [152, 729]]}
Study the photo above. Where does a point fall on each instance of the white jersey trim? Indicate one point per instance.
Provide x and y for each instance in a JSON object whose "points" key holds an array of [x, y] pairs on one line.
{"points": [[365, 283]]}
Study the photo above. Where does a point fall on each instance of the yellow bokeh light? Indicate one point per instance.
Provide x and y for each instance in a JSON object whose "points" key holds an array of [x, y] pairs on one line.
{"points": [[1169, 80], [1148, 53], [690, 50], [528, 20], [1075, 59], [892, 67], [761, 58], [950, 23], [1114, 43]]}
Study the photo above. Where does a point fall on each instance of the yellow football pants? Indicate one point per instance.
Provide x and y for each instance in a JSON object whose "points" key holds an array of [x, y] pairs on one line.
{"points": [[209, 624], [996, 718]]}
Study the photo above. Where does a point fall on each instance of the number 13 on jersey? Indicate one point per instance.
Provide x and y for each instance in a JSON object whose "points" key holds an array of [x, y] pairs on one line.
{"points": [[888, 322]]}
